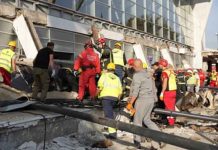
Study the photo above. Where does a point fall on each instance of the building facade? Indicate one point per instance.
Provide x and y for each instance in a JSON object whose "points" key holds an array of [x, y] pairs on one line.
{"points": [[177, 25]]}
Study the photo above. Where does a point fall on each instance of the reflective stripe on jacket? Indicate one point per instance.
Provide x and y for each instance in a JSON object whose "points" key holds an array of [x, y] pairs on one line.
{"points": [[6, 56], [117, 55], [109, 85]]}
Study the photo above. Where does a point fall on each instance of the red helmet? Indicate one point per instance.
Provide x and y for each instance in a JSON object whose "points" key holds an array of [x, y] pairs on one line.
{"points": [[163, 62], [101, 40], [88, 44], [131, 61]]}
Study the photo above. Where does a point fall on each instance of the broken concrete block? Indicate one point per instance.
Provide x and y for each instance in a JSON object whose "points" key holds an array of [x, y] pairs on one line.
{"points": [[36, 17], [27, 146], [7, 11], [88, 133]]}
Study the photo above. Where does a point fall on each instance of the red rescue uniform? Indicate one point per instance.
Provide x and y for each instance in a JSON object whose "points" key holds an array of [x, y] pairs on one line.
{"points": [[89, 62], [6, 76], [169, 95], [202, 78]]}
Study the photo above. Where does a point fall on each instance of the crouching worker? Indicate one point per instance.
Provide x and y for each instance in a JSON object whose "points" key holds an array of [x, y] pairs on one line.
{"points": [[109, 90]]}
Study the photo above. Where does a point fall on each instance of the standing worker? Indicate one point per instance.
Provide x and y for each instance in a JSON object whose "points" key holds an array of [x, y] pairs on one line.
{"points": [[110, 90], [43, 60], [202, 77], [8, 62], [191, 82], [213, 78], [89, 62], [143, 94], [168, 93], [197, 83], [118, 58]]}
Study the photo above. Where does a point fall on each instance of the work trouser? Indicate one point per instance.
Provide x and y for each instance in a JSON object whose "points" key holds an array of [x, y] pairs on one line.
{"points": [[6, 76], [41, 82], [108, 105], [119, 72], [169, 101], [87, 79], [143, 109]]}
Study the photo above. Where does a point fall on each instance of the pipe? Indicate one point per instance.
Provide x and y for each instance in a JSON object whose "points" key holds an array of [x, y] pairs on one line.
{"points": [[183, 114], [155, 135]]}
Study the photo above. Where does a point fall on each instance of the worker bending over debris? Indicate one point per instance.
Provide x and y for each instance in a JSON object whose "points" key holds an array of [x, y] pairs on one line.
{"points": [[43, 60], [110, 90], [8, 62]]}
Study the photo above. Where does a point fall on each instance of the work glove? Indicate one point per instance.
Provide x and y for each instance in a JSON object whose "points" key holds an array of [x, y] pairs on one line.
{"points": [[161, 96], [130, 108], [97, 76], [76, 73]]}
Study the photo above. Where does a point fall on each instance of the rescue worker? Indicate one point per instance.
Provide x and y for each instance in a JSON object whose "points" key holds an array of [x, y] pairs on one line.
{"points": [[88, 61], [43, 60], [191, 82], [168, 93], [110, 90], [143, 94], [197, 84], [118, 58], [181, 81], [158, 83], [128, 77], [8, 62], [202, 77], [105, 53], [213, 78]]}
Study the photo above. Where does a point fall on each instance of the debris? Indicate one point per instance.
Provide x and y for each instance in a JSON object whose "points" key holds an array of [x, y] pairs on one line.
{"points": [[27, 146]]}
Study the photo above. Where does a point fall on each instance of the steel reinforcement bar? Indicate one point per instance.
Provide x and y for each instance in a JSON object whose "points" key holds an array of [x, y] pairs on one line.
{"points": [[183, 114], [155, 135]]}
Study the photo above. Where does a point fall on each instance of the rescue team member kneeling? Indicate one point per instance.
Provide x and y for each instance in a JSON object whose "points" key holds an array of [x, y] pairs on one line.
{"points": [[168, 94], [110, 90], [7, 62]]}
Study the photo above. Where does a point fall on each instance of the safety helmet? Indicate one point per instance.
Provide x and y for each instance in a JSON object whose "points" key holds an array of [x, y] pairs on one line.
{"points": [[118, 44], [145, 66], [131, 61], [101, 40], [195, 70], [189, 71], [88, 44], [163, 62], [12, 43], [111, 66]]}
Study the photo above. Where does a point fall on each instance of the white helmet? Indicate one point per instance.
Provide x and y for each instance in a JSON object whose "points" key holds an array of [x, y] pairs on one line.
{"points": [[195, 70]]}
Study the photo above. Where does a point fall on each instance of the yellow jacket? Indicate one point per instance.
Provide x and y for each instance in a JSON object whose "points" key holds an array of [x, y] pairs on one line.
{"points": [[109, 85], [117, 57], [6, 56], [171, 83]]}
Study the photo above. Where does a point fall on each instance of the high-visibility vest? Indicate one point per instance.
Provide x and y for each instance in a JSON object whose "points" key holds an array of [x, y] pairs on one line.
{"points": [[213, 76], [117, 57], [171, 84], [192, 80], [110, 85], [6, 56]]}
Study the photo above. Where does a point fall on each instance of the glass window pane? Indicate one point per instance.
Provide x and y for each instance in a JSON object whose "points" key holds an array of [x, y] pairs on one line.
{"points": [[150, 27], [158, 30], [117, 16], [62, 46], [140, 12], [158, 8], [149, 4], [140, 24], [101, 11], [84, 6], [165, 13], [165, 23], [130, 20], [79, 38], [104, 1], [165, 33], [57, 34], [130, 7], [140, 2], [158, 20], [117, 4], [165, 3], [172, 35], [149, 16], [65, 3]]}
